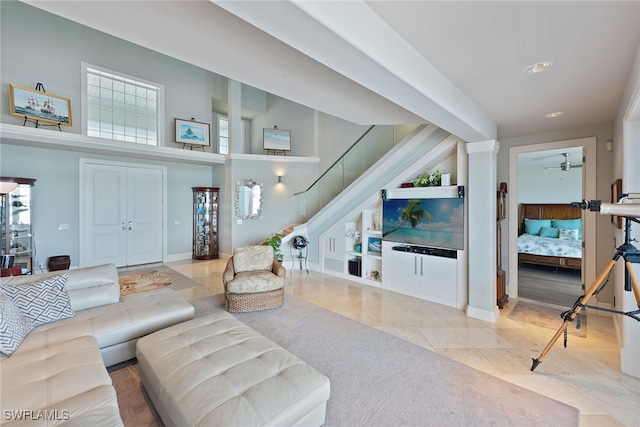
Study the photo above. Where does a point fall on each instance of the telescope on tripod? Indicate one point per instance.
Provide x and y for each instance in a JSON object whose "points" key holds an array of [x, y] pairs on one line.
{"points": [[628, 207]]}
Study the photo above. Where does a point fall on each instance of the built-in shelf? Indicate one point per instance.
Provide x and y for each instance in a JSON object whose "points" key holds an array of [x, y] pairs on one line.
{"points": [[54, 139]]}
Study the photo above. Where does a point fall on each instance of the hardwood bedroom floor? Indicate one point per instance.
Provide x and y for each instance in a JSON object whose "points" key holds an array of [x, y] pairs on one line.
{"points": [[559, 287], [585, 375]]}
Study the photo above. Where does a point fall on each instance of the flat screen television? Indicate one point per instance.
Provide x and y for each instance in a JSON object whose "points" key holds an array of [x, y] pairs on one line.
{"points": [[427, 222]]}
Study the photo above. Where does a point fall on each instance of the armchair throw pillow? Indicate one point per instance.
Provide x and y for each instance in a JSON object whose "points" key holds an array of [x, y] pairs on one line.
{"points": [[253, 258], [42, 302]]}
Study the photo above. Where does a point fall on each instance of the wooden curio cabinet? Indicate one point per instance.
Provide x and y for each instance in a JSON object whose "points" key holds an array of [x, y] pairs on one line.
{"points": [[205, 222], [501, 210], [16, 224]]}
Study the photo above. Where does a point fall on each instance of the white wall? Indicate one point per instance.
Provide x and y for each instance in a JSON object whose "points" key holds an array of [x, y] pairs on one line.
{"points": [[627, 152], [537, 185]]}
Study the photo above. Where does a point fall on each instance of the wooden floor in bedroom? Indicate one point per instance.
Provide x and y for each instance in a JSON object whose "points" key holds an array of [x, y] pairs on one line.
{"points": [[546, 284]]}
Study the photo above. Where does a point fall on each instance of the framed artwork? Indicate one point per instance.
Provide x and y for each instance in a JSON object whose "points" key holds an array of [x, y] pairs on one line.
{"points": [[276, 139], [374, 245], [616, 189], [39, 105], [192, 132]]}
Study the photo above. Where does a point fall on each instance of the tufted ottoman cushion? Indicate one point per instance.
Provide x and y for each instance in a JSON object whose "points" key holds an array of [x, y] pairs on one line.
{"points": [[215, 370]]}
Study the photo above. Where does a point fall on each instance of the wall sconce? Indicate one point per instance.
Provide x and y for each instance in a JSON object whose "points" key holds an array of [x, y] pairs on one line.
{"points": [[279, 179]]}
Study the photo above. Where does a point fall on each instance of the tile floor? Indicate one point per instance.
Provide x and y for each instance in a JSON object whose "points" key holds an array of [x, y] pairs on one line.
{"points": [[585, 374]]}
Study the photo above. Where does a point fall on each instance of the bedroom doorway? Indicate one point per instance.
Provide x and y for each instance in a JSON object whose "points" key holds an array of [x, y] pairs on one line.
{"points": [[539, 174], [549, 265]]}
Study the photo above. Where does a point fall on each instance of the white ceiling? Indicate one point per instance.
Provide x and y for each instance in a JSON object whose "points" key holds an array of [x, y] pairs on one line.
{"points": [[456, 64]]}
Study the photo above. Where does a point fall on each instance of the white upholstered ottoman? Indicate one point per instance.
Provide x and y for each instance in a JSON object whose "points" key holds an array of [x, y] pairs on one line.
{"points": [[216, 371]]}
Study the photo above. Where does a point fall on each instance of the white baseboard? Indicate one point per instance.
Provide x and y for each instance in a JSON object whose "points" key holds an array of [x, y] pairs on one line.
{"points": [[486, 315]]}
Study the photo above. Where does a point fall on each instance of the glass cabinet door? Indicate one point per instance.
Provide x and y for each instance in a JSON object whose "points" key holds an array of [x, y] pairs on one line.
{"points": [[205, 222], [16, 228]]}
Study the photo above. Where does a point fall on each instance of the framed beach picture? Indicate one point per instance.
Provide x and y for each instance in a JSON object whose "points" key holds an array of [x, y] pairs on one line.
{"points": [[192, 132], [276, 139], [39, 105]]}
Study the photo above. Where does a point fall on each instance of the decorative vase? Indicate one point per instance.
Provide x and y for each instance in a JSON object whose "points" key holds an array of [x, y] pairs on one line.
{"points": [[376, 220]]}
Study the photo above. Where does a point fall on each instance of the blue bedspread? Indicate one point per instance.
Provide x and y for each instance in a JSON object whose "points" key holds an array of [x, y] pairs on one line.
{"points": [[536, 245]]}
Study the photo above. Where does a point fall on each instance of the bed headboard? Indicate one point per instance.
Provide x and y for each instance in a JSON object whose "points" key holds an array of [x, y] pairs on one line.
{"points": [[546, 211]]}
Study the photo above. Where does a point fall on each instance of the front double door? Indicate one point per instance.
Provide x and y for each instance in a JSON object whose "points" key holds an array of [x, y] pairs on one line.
{"points": [[123, 215]]}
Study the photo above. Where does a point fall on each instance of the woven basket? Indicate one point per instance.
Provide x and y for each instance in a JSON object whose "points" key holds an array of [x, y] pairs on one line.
{"points": [[60, 262], [242, 303]]}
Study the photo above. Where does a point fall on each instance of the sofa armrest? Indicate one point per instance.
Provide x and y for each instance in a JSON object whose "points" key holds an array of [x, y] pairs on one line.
{"points": [[228, 273], [278, 269]]}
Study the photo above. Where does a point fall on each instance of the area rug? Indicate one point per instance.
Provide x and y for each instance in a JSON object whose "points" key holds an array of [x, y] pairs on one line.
{"points": [[547, 317], [378, 379], [148, 279]]}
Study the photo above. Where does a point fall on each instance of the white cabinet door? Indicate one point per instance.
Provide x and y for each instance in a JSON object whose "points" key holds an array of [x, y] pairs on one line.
{"points": [[439, 278], [404, 271], [432, 278], [334, 246]]}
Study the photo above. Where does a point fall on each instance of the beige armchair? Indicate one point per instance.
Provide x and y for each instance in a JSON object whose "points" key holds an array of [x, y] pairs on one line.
{"points": [[253, 280]]}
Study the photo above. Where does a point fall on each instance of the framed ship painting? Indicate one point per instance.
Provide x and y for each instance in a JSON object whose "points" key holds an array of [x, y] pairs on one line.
{"points": [[192, 132], [39, 106]]}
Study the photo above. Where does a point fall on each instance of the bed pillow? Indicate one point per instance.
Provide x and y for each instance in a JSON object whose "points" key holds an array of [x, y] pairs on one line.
{"points": [[568, 224], [571, 234], [533, 226], [14, 326], [42, 302], [549, 232]]}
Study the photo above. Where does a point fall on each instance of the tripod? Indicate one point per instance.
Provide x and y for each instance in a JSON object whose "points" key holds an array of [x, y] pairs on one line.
{"points": [[630, 255]]}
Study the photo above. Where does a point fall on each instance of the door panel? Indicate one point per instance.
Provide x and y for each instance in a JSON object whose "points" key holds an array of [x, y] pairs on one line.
{"points": [[105, 239], [144, 216], [123, 215]]}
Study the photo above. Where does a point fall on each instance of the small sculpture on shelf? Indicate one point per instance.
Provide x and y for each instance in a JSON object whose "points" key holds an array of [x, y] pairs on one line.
{"points": [[355, 234]]}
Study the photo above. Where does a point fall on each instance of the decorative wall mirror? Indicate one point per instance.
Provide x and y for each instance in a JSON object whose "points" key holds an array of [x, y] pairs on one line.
{"points": [[248, 199]]}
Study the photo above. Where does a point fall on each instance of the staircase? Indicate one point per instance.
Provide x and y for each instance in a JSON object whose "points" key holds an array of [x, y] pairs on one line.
{"points": [[426, 146]]}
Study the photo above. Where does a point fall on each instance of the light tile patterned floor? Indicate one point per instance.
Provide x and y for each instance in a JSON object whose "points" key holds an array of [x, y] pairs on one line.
{"points": [[585, 375]]}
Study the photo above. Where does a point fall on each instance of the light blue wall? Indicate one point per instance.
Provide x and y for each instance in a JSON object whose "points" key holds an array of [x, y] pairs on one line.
{"points": [[38, 47], [56, 196]]}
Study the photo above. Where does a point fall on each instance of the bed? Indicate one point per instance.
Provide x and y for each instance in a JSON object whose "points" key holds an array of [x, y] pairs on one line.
{"points": [[550, 235]]}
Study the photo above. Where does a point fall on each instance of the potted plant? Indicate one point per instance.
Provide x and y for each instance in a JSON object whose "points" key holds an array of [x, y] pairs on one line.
{"points": [[275, 241], [429, 179]]}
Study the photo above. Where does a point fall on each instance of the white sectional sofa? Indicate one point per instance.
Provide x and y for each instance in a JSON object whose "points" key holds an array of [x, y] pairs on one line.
{"points": [[57, 375]]}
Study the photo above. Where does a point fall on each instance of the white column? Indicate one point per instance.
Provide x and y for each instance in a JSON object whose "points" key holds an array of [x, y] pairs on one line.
{"points": [[481, 199], [630, 346], [234, 105]]}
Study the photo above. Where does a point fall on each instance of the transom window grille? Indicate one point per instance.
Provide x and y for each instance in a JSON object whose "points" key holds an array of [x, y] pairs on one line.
{"points": [[122, 108]]}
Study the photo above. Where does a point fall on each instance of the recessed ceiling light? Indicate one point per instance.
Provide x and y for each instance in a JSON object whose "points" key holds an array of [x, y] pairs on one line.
{"points": [[554, 114], [538, 67]]}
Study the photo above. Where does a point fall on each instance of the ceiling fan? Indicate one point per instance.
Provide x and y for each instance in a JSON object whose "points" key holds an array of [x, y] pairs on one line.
{"points": [[565, 165]]}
